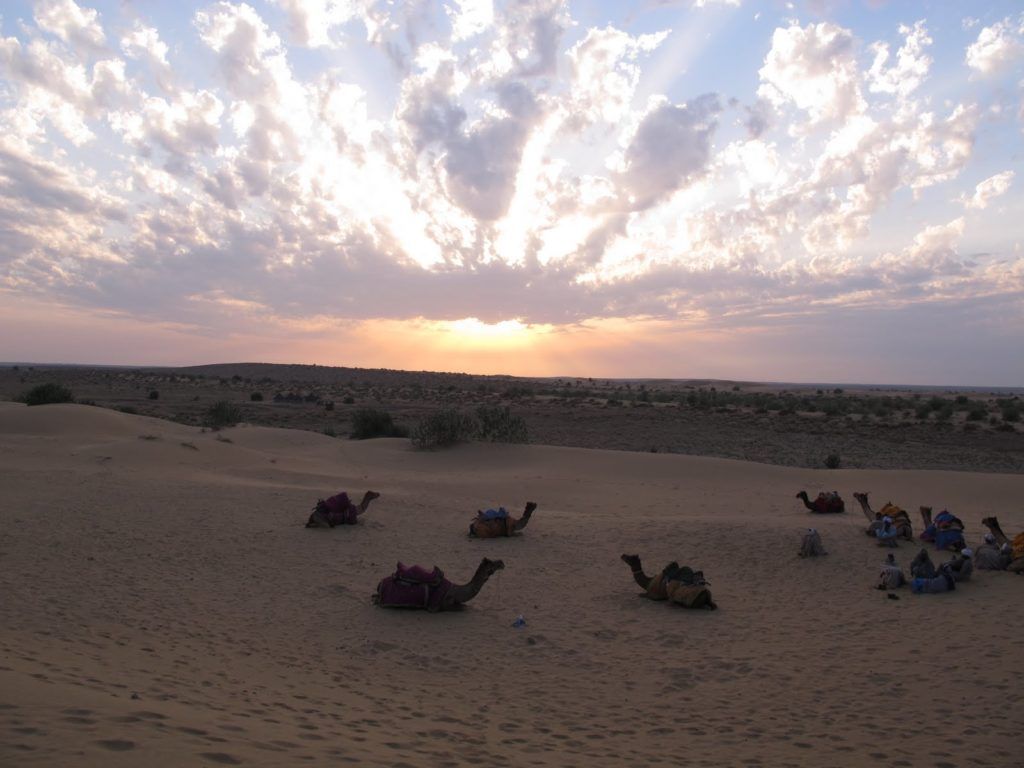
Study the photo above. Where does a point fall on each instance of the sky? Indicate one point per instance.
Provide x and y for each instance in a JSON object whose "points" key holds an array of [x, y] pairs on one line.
{"points": [[821, 191]]}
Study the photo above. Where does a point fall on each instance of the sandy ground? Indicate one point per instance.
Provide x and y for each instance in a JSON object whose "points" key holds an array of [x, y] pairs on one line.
{"points": [[163, 605]]}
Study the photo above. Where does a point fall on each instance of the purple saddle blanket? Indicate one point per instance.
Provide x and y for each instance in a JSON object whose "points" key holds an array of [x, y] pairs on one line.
{"points": [[340, 510], [413, 587]]}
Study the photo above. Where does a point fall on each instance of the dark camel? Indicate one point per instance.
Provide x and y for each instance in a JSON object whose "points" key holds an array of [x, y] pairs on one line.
{"points": [[823, 504], [328, 514], [501, 526]]}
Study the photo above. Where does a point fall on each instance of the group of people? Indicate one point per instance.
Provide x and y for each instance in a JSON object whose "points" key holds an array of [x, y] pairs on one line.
{"points": [[946, 532]]}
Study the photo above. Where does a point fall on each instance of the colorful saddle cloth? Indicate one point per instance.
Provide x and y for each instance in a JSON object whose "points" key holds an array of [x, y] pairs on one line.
{"points": [[413, 587]]}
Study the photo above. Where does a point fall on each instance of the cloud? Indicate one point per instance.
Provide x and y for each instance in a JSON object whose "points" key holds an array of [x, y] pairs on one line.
{"points": [[671, 147], [74, 25], [912, 63], [996, 46], [813, 68], [988, 190]]}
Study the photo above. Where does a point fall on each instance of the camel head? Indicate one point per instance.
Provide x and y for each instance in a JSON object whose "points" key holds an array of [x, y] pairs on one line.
{"points": [[488, 567], [861, 496], [801, 495], [990, 522], [633, 561], [926, 509]]}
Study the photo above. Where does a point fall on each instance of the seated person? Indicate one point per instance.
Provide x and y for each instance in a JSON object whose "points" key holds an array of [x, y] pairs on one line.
{"points": [[886, 533]]}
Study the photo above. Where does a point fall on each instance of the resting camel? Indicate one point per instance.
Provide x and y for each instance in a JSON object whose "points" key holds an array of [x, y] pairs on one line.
{"points": [[678, 584], [946, 531], [900, 518], [826, 502], [416, 587], [338, 510], [1017, 545], [484, 527]]}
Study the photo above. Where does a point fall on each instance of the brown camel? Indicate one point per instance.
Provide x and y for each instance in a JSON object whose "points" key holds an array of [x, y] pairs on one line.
{"points": [[680, 585], [338, 510], [900, 517], [416, 587], [1017, 545], [484, 528], [826, 502]]}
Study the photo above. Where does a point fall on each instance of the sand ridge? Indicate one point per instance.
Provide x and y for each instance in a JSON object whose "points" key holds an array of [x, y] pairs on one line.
{"points": [[163, 604]]}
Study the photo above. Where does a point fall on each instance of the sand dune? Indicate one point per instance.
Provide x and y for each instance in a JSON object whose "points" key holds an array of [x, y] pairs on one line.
{"points": [[163, 605]]}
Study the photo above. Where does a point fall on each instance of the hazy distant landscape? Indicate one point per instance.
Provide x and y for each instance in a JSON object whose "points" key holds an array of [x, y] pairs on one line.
{"points": [[788, 424]]}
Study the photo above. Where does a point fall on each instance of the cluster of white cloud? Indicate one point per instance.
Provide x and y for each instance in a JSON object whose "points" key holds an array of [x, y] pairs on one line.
{"points": [[516, 175]]}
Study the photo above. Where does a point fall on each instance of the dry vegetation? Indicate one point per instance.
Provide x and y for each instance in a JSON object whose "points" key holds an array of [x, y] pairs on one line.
{"points": [[791, 425]]}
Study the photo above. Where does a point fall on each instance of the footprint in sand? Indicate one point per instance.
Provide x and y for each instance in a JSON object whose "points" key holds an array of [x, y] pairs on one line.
{"points": [[116, 745], [221, 757]]}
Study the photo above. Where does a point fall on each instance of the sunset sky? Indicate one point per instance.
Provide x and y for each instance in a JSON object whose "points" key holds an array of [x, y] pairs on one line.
{"points": [[803, 191]]}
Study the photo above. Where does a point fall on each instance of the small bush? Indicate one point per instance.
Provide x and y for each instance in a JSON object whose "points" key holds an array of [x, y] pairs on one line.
{"points": [[443, 429], [127, 409], [498, 425], [256, 397], [154, 395], [222, 414], [46, 394], [329, 431], [832, 461], [1011, 414], [976, 414], [348, 400], [329, 405], [370, 422]]}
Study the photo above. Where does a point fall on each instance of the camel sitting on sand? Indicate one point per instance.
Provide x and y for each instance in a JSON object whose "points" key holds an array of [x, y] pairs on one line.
{"points": [[680, 585], [416, 587], [1016, 546], [946, 531], [825, 503], [339, 510], [496, 523], [900, 518]]}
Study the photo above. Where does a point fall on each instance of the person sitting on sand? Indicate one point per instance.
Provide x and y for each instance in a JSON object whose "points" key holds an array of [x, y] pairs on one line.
{"points": [[339, 510], [891, 575], [922, 567], [811, 545], [943, 582], [886, 533], [962, 565], [990, 557], [676, 583], [494, 523]]}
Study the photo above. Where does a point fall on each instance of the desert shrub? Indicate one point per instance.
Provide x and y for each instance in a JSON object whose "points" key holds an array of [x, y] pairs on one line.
{"points": [[46, 394], [256, 397], [976, 414], [1004, 427], [348, 400], [127, 409], [370, 422], [1011, 412], [832, 461], [329, 405], [154, 394], [329, 431], [222, 414], [443, 429], [499, 425]]}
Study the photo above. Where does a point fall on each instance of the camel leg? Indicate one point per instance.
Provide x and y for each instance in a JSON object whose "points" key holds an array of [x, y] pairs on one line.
{"points": [[523, 521]]}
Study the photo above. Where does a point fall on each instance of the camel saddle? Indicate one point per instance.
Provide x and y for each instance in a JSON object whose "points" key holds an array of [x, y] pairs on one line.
{"points": [[896, 513], [1018, 546], [484, 527], [413, 587]]}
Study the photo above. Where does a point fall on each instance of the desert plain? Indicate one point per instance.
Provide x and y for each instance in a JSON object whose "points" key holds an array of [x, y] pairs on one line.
{"points": [[164, 605]]}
